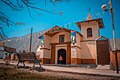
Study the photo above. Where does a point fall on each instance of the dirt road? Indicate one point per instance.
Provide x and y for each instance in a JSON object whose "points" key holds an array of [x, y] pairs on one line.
{"points": [[10, 72]]}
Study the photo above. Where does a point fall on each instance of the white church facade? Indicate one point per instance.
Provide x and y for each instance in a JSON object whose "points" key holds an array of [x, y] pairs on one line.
{"points": [[63, 46]]}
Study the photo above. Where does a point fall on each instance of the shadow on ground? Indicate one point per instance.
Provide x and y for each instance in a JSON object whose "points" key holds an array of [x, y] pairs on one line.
{"points": [[39, 69]]}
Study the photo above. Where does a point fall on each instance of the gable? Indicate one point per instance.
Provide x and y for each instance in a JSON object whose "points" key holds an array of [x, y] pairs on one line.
{"points": [[53, 31]]}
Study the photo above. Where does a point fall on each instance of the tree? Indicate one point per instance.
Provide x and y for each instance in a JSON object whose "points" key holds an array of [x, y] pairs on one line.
{"points": [[18, 5]]}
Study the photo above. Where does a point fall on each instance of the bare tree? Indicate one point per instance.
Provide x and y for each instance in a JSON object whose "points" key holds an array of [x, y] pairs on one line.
{"points": [[18, 5]]}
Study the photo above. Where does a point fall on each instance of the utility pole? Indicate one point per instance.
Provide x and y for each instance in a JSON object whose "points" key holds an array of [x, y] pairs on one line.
{"points": [[31, 39], [104, 7], [114, 37]]}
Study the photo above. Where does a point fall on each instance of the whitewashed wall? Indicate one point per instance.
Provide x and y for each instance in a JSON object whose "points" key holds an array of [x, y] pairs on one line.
{"points": [[95, 30], [88, 50], [55, 38]]}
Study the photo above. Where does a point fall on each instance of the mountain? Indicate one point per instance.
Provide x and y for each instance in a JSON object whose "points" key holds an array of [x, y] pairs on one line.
{"points": [[23, 43]]}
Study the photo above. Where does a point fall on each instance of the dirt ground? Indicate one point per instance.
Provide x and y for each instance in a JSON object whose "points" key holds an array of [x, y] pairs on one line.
{"points": [[10, 72]]}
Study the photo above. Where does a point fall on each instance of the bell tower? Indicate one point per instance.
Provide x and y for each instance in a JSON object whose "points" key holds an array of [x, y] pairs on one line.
{"points": [[90, 27]]}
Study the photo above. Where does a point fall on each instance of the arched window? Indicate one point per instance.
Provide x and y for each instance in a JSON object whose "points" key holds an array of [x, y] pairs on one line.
{"points": [[61, 38], [89, 32]]}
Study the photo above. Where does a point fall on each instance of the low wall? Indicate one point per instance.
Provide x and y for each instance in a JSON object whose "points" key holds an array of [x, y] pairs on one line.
{"points": [[112, 58]]}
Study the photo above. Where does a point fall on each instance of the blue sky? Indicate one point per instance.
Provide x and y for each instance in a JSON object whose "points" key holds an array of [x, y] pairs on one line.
{"points": [[73, 10]]}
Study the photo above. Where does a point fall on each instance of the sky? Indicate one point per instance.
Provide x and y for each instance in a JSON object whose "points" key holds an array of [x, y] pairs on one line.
{"points": [[73, 11]]}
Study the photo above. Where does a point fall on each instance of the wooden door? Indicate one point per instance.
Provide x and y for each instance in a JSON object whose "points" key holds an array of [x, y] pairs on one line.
{"points": [[103, 53]]}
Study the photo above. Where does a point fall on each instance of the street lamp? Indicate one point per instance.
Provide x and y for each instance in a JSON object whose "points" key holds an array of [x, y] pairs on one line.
{"points": [[104, 7]]}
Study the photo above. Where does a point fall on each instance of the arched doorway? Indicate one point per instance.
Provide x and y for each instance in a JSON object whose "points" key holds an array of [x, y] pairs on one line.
{"points": [[61, 57]]}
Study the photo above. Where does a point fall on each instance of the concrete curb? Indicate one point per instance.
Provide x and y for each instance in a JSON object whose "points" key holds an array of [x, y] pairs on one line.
{"points": [[84, 73]]}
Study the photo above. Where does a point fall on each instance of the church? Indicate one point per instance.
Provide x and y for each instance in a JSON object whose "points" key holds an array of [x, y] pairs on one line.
{"points": [[60, 45]]}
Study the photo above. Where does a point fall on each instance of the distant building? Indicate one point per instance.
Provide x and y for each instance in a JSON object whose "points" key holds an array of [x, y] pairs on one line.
{"points": [[5, 49]]}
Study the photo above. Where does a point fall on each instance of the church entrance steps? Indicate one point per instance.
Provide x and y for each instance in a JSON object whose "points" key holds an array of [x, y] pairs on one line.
{"points": [[73, 65], [103, 67]]}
